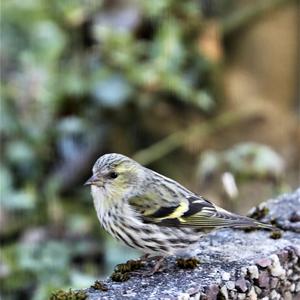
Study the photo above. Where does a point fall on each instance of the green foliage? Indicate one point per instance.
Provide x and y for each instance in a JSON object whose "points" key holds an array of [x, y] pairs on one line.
{"points": [[69, 295]]}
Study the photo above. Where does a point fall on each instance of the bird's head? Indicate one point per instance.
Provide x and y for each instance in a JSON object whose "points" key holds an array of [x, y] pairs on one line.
{"points": [[115, 176]]}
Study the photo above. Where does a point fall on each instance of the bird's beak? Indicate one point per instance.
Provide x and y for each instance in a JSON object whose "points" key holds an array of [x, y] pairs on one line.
{"points": [[92, 180]]}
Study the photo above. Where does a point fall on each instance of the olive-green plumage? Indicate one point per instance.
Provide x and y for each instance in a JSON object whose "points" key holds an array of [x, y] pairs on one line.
{"points": [[151, 212]]}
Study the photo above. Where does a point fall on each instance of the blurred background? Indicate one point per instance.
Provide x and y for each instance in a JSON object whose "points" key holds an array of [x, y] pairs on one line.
{"points": [[205, 92]]}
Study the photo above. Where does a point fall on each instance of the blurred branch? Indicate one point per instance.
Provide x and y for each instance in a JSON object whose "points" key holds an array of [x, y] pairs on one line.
{"points": [[200, 131], [248, 13]]}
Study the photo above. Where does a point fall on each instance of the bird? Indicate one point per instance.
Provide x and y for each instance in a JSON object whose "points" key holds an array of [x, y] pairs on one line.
{"points": [[153, 213]]}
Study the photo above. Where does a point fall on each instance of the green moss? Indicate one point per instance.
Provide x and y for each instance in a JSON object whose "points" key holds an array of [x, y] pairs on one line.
{"points": [[98, 285], [274, 222], [276, 234], [119, 277], [190, 263], [130, 265], [69, 295], [122, 271], [259, 213]]}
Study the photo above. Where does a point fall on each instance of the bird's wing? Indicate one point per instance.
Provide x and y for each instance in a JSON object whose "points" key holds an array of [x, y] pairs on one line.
{"points": [[194, 211]]}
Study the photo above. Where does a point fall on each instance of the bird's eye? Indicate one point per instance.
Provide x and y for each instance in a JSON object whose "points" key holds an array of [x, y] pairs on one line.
{"points": [[113, 175]]}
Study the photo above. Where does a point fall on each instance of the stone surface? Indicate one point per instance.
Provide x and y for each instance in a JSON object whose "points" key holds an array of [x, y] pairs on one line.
{"points": [[263, 262], [234, 265], [241, 285], [253, 272], [225, 276]]}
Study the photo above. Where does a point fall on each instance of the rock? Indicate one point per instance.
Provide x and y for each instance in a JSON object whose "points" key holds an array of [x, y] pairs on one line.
{"points": [[236, 265], [281, 212], [224, 292], [230, 285], [212, 292], [241, 296], [264, 279], [297, 249], [243, 271], [183, 296], [196, 296], [252, 295], [274, 283], [225, 276], [283, 255], [263, 262], [241, 285], [274, 295], [253, 272], [275, 268], [257, 290], [288, 296], [292, 288], [295, 217]]}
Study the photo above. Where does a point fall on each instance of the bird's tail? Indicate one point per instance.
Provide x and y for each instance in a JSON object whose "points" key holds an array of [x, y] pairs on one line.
{"points": [[229, 219], [245, 222], [264, 225]]}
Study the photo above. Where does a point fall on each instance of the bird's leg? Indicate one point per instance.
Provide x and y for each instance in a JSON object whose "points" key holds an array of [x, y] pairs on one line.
{"points": [[144, 257], [157, 266]]}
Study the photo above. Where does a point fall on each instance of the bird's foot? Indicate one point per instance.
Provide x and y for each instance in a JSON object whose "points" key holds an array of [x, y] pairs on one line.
{"points": [[189, 263], [157, 267]]}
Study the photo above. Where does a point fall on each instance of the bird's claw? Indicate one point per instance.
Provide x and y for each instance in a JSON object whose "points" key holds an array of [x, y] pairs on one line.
{"points": [[156, 269]]}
